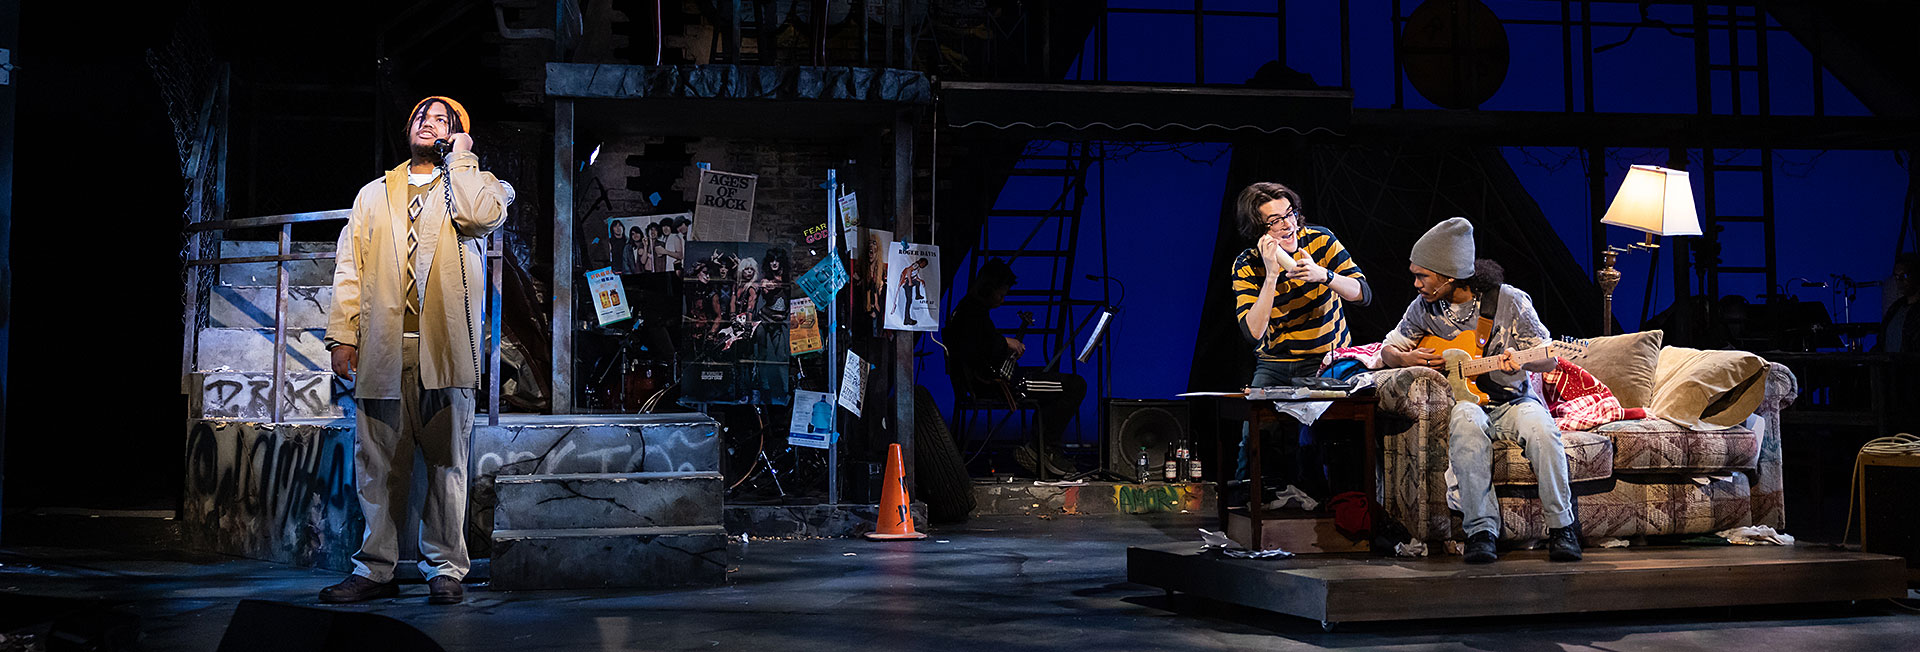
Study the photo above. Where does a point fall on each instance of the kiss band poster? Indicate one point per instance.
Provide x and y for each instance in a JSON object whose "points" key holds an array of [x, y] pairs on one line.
{"points": [[736, 318]]}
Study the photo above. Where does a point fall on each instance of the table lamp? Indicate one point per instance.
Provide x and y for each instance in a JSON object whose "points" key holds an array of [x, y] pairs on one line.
{"points": [[1652, 199]]}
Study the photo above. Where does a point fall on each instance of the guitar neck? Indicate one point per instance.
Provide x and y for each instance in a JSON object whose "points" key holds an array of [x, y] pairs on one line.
{"points": [[1479, 366]]}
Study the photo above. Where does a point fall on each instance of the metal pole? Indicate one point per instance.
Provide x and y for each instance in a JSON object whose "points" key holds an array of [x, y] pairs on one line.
{"points": [[493, 260], [10, 41], [276, 405], [833, 338]]}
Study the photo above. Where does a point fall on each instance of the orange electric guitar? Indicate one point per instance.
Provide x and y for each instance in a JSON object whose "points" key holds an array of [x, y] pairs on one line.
{"points": [[1464, 358]]}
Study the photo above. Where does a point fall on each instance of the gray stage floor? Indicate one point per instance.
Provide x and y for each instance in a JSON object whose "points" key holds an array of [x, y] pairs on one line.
{"points": [[999, 583]]}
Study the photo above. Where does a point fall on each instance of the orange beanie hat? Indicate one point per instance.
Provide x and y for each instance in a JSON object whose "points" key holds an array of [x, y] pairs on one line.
{"points": [[466, 122]]}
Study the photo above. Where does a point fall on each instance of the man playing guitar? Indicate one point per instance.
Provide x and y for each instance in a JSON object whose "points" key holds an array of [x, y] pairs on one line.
{"points": [[977, 351], [1459, 293]]}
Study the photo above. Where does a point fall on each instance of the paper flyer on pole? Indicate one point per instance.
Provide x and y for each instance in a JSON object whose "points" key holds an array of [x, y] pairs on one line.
{"points": [[723, 207], [803, 332], [609, 296], [873, 271], [850, 220], [812, 424], [913, 287], [826, 278], [853, 383]]}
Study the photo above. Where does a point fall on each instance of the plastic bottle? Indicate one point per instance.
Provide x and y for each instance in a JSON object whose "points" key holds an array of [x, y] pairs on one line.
{"points": [[1140, 466]]}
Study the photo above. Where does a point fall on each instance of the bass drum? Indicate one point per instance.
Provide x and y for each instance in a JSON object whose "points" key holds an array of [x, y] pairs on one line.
{"points": [[641, 380]]}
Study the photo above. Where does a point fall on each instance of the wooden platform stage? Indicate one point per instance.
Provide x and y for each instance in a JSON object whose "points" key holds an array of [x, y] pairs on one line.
{"points": [[1335, 588]]}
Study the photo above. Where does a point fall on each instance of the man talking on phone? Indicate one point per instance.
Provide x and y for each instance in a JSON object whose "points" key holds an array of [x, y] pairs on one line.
{"points": [[1289, 294], [405, 325]]}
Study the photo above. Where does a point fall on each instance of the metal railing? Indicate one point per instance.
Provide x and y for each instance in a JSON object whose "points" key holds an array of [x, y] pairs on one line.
{"points": [[286, 255]]}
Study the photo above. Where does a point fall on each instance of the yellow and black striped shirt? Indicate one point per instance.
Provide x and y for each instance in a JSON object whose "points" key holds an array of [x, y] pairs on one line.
{"points": [[1308, 320]]}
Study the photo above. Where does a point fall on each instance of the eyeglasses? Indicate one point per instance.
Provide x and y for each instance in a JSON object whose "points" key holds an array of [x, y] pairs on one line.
{"points": [[1293, 215]]}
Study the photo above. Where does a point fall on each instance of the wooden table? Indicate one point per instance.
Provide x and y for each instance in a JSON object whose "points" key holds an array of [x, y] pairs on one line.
{"points": [[1260, 413]]}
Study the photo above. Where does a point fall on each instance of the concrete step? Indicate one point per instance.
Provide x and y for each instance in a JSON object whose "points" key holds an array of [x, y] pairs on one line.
{"points": [[607, 500], [299, 272], [251, 349], [243, 395], [640, 557], [247, 306]]}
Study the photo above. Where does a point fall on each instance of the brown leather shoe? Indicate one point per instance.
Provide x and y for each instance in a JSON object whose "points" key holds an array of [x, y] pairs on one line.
{"points": [[445, 590], [358, 589]]}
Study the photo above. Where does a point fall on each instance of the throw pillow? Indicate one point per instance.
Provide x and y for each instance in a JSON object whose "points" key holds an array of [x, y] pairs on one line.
{"points": [[1625, 364], [1710, 389]]}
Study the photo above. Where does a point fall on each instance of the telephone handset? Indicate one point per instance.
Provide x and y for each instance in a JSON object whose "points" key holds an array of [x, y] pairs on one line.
{"points": [[442, 146]]}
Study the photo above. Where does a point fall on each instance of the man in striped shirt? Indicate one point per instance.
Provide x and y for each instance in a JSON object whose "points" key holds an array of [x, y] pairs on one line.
{"points": [[1289, 289]]}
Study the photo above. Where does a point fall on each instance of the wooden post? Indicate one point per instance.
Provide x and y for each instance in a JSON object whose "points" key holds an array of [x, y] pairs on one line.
{"points": [[562, 324], [904, 383]]}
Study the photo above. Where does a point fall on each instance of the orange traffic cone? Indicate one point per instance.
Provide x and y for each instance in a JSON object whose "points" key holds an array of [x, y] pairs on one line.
{"points": [[895, 521]]}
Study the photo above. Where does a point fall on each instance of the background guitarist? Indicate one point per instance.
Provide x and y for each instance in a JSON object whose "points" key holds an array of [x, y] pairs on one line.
{"points": [[976, 349], [1289, 291], [1455, 293]]}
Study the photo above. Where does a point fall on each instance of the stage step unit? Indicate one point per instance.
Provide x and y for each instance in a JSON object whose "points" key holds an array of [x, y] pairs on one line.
{"points": [[299, 272], [607, 500], [243, 395], [251, 349], [582, 558], [249, 306], [586, 505]]}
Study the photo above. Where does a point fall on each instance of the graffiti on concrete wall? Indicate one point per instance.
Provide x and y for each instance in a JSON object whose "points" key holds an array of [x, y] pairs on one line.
{"points": [[1143, 498], [273, 491], [244, 395]]}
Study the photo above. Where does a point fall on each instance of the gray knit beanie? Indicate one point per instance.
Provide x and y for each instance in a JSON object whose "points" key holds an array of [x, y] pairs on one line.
{"points": [[1447, 248]]}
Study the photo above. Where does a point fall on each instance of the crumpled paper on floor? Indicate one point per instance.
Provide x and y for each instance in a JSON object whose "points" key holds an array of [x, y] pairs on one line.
{"points": [[1291, 495], [1210, 540], [1755, 535], [1614, 542], [1412, 548]]}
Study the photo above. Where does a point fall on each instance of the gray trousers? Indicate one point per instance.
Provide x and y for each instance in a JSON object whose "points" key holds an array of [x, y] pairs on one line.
{"points": [[1470, 449], [438, 422]]}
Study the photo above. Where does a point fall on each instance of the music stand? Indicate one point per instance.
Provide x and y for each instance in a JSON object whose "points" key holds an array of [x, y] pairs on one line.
{"points": [[1096, 339]]}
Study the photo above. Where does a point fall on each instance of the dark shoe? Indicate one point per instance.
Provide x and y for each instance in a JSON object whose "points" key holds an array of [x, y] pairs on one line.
{"points": [[445, 590], [1481, 548], [1563, 543], [357, 589]]}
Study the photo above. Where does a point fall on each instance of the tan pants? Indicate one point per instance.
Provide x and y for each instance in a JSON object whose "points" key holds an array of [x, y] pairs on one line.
{"points": [[438, 422]]}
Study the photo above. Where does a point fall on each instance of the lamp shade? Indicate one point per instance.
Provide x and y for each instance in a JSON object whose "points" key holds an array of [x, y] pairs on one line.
{"points": [[1655, 200]]}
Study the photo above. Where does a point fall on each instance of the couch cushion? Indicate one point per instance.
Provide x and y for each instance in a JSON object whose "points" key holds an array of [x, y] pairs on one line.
{"points": [[1628, 506], [1625, 364], [1589, 457], [1656, 445], [1707, 388]]}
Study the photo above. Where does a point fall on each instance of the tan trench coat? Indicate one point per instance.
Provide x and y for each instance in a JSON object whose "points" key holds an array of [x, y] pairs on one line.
{"points": [[369, 292]]}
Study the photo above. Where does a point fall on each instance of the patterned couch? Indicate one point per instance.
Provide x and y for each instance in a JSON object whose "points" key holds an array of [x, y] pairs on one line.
{"points": [[1637, 477]]}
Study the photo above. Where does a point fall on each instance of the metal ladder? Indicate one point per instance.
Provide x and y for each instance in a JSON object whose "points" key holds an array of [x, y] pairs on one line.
{"points": [[1732, 25], [1033, 238]]}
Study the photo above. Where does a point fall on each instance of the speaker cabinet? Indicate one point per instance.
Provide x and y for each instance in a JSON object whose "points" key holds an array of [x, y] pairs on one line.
{"points": [[1136, 423], [1888, 486]]}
